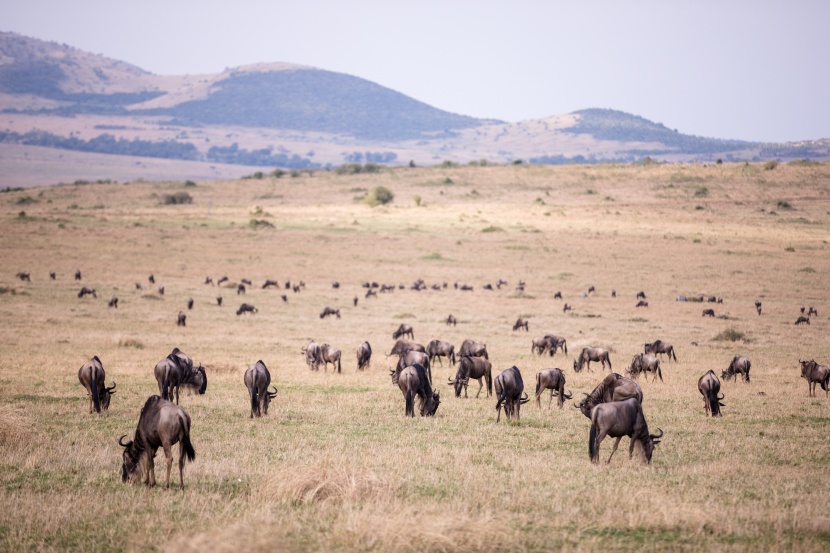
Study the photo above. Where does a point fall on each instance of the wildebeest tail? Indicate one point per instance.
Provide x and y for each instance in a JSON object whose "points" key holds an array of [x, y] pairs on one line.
{"points": [[592, 438], [338, 364], [489, 378], [565, 347], [254, 400], [93, 389], [189, 452], [825, 381], [673, 356], [410, 403], [714, 403], [538, 383], [610, 368], [659, 373]]}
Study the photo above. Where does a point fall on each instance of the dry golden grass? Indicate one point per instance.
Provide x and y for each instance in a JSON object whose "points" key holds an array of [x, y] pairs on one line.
{"points": [[336, 465]]}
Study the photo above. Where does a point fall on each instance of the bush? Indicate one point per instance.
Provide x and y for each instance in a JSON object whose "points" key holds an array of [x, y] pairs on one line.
{"points": [[730, 335], [380, 195], [784, 204], [701, 192], [176, 198], [417, 199], [770, 165]]}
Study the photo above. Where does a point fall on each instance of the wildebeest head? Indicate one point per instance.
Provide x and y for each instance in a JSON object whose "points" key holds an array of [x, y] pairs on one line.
{"points": [[105, 397], [432, 403], [129, 460], [648, 445]]}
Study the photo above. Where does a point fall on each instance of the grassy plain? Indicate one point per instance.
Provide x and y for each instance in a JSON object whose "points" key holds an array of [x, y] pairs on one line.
{"points": [[336, 466]]}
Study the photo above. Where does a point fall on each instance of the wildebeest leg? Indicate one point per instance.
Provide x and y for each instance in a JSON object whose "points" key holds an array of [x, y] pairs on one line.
{"points": [[168, 455], [481, 385], [600, 436], [150, 456], [550, 401], [614, 450], [630, 447]]}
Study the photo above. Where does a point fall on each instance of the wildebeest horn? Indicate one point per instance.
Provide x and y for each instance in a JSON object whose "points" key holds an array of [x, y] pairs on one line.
{"points": [[656, 436], [122, 444], [111, 388], [273, 394], [524, 399], [450, 380], [721, 396], [568, 395]]}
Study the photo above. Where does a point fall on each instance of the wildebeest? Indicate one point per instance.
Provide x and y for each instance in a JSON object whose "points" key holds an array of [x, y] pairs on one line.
{"points": [[802, 320], [92, 376], [553, 380], [364, 355], [412, 357], [86, 290], [613, 293], [78, 274], [641, 295], [613, 387], [413, 382], [208, 280], [642, 303], [510, 392], [176, 370], [221, 280], [521, 322], [182, 319], [113, 302], [24, 276], [312, 355], [439, 349], [708, 313], [335, 285], [618, 419], [257, 379], [240, 289], [52, 275], [758, 307], [161, 424], [246, 281], [268, 283], [190, 303], [815, 374], [709, 386], [219, 300], [473, 348], [330, 354], [475, 368], [371, 293], [150, 278], [592, 354], [354, 300], [567, 307], [404, 330], [161, 290], [488, 286], [451, 320], [739, 365], [660, 347], [245, 308], [591, 289], [329, 311], [402, 346], [466, 288], [812, 311], [548, 343], [645, 363]]}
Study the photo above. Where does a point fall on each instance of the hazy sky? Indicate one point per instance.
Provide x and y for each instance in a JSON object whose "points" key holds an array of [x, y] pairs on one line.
{"points": [[752, 70]]}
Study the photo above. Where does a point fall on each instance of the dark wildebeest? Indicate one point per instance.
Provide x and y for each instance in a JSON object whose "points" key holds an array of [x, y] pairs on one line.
{"points": [[591, 290], [329, 311], [404, 330], [439, 349], [521, 322], [257, 379], [556, 342], [488, 287], [190, 303], [240, 289], [473, 348], [268, 283], [660, 347], [161, 290], [335, 285], [641, 295], [330, 354], [92, 376], [413, 381], [371, 293], [247, 281], [618, 419], [451, 320], [613, 293], [113, 302], [815, 374], [708, 313], [567, 307], [24, 276], [176, 370], [475, 368], [812, 311], [87, 290], [709, 386], [645, 363], [739, 365], [245, 308], [758, 307], [466, 288], [219, 300], [802, 320], [208, 280], [221, 280], [161, 424], [510, 392], [285, 298], [182, 319], [78, 274], [557, 295], [642, 303], [52, 275], [364, 355], [553, 380], [152, 279], [539, 345], [353, 300], [312, 355], [412, 357], [613, 387], [402, 346], [501, 283], [592, 354]]}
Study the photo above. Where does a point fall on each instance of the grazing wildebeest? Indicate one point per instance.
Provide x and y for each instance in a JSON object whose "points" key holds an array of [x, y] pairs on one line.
{"points": [[758, 307], [613, 293], [439, 349], [708, 312], [412, 357], [285, 298], [488, 286], [190, 303], [208, 280], [557, 295], [510, 392], [591, 290], [87, 290], [92, 376], [312, 355], [473, 348], [521, 286], [413, 381], [556, 342], [257, 379], [451, 320], [709, 386], [618, 419], [176, 370], [78, 274], [592, 354], [268, 283], [240, 289], [182, 319], [402, 346], [815, 374], [335, 285], [354, 300], [613, 387], [539, 345], [802, 320], [138, 286], [404, 330], [247, 281], [52, 275], [501, 283], [246, 308], [645, 363], [329, 311], [660, 347], [221, 280], [812, 311], [553, 380], [475, 368], [521, 322], [642, 303], [161, 424], [641, 295], [24, 276], [466, 288], [364, 355], [219, 300], [152, 279], [330, 354], [371, 294], [161, 290], [113, 302], [567, 307], [739, 365], [803, 309]]}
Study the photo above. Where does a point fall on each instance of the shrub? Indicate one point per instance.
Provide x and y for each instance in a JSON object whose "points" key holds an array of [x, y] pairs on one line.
{"points": [[730, 335], [379, 195], [784, 204], [770, 165], [417, 199], [189, 184], [176, 198], [257, 224], [701, 192]]}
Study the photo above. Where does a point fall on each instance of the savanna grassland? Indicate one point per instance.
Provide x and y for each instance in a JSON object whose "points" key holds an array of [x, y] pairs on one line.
{"points": [[336, 466]]}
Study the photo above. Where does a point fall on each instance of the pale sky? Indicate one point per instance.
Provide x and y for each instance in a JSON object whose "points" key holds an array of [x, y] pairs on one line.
{"points": [[751, 70]]}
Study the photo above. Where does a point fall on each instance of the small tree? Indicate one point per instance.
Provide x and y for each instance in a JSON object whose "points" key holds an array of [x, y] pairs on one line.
{"points": [[380, 195]]}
